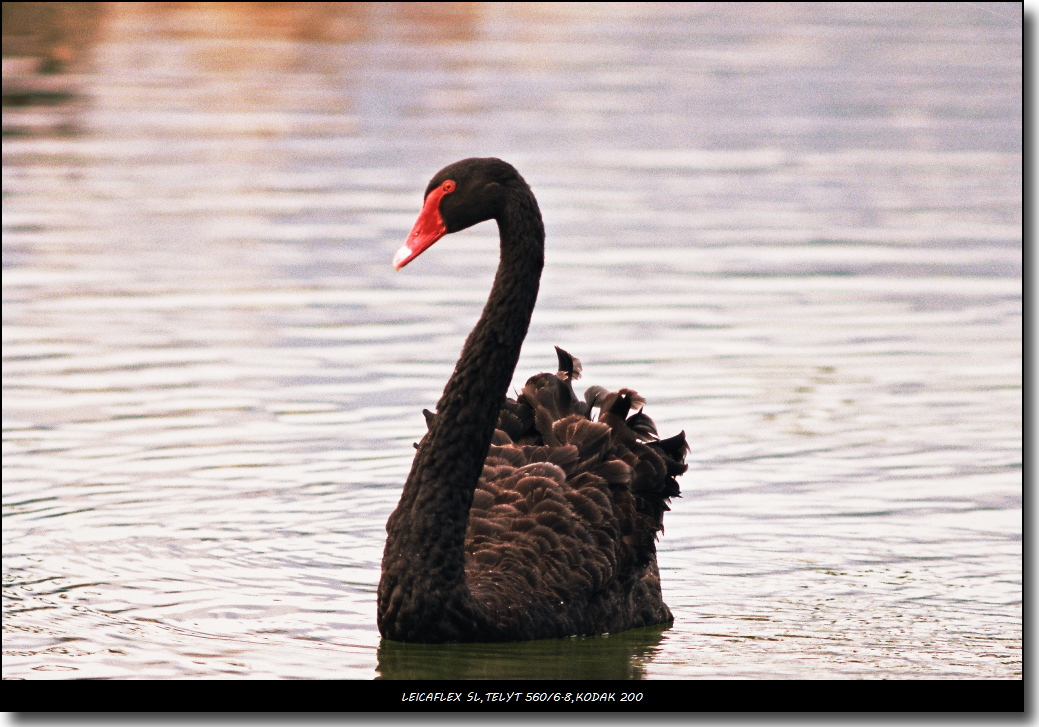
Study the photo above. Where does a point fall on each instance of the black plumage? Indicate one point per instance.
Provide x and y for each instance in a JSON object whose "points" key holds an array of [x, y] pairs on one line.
{"points": [[522, 518]]}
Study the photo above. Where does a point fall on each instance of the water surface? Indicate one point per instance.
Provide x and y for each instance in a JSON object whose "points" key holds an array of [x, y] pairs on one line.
{"points": [[794, 228]]}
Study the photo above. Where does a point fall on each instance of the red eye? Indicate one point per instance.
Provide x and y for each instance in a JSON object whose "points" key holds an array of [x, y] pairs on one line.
{"points": [[448, 186]]}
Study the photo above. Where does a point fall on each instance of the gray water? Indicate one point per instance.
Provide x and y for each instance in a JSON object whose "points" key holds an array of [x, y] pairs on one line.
{"points": [[795, 228]]}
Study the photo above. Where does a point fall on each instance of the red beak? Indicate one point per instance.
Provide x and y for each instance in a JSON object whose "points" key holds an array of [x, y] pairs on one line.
{"points": [[429, 227]]}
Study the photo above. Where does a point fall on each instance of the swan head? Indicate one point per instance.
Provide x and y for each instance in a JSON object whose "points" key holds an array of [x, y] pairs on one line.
{"points": [[459, 196]]}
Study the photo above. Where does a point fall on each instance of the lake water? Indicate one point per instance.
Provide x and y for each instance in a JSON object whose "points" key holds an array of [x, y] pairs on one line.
{"points": [[795, 228]]}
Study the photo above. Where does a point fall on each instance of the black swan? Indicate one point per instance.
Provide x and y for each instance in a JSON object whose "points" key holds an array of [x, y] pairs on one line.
{"points": [[521, 519]]}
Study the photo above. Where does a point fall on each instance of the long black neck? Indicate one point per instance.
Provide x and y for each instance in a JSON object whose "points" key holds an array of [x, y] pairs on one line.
{"points": [[423, 583]]}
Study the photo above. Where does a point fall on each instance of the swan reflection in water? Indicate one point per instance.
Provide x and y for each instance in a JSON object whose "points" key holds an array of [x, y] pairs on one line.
{"points": [[532, 518], [613, 656]]}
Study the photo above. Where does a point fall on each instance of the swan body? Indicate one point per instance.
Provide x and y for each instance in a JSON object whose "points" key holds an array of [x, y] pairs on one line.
{"points": [[526, 518]]}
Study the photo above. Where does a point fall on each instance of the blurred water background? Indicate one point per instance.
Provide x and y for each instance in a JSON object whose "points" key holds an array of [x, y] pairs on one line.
{"points": [[794, 227]]}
